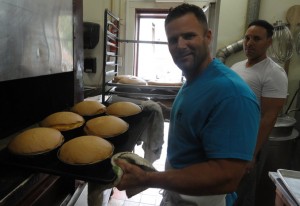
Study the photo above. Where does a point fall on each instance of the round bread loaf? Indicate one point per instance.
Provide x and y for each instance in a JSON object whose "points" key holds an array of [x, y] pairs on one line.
{"points": [[170, 84], [85, 150], [123, 109], [106, 126], [119, 77], [63, 121], [35, 141], [132, 80], [89, 108]]}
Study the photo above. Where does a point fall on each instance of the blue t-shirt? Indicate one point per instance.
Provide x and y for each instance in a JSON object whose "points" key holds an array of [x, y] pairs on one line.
{"points": [[214, 116]]}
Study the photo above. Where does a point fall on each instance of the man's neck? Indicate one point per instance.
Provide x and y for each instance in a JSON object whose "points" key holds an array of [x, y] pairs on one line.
{"points": [[251, 62], [204, 65]]}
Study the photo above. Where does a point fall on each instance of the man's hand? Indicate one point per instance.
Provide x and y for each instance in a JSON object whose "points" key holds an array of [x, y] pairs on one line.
{"points": [[133, 176]]}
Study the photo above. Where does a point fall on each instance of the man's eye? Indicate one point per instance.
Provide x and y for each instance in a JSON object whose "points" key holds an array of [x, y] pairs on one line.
{"points": [[256, 38], [188, 36]]}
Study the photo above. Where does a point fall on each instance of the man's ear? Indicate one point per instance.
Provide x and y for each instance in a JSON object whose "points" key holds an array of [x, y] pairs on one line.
{"points": [[208, 36], [270, 41]]}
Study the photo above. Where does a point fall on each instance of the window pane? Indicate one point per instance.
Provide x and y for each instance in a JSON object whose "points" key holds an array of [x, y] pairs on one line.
{"points": [[154, 60]]}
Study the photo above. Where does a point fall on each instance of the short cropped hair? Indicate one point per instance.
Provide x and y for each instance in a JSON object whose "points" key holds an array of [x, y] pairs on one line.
{"points": [[262, 23], [185, 8]]}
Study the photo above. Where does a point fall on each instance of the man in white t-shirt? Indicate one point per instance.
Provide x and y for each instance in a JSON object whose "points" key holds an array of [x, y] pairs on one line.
{"points": [[269, 82]]}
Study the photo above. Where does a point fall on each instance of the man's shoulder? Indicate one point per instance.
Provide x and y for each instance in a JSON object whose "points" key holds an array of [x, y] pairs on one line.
{"points": [[274, 67]]}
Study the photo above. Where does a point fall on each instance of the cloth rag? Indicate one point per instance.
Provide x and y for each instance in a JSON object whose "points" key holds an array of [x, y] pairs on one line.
{"points": [[133, 159], [153, 136], [95, 190]]}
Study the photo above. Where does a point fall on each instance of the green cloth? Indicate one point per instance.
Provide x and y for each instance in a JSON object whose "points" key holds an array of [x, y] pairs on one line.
{"points": [[133, 159]]}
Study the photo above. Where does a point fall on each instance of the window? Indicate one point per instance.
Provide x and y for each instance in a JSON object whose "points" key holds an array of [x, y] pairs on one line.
{"points": [[153, 60]]}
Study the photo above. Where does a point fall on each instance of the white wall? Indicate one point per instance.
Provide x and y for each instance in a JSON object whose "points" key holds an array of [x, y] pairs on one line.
{"points": [[232, 20], [93, 11]]}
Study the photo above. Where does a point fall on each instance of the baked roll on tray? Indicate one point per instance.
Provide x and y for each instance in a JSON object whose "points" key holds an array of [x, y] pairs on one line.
{"points": [[123, 109], [36, 141], [89, 109], [129, 79], [106, 126], [69, 123], [85, 150]]}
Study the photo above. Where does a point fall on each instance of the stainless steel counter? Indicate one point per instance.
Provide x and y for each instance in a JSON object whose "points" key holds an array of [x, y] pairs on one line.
{"points": [[288, 193]]}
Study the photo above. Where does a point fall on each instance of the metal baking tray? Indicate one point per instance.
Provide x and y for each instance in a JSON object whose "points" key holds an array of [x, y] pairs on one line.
{"points": [[291, 180], [137, 92], [101, 173], [282, 188], [146, 87]]}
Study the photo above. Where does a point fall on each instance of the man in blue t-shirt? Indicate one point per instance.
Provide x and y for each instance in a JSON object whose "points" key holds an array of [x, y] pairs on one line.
{"points": [[213, 125]]}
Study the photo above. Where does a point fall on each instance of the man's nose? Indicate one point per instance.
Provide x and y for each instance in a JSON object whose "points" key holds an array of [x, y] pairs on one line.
{"points": [[250, 41], [181, 42]]}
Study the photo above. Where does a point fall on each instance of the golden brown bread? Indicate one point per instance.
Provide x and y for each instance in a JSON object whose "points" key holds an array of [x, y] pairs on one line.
{"points": [[123, 109], [129, 79], [85, 150], [119, 77], [106, 126], [63, 121], [170, 84], [88, 108], [35, 141]]}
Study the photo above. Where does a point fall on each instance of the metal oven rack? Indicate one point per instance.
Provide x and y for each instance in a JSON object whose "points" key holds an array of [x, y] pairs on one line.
{"points": [[110, 67], [110, 50], [144, 91]]}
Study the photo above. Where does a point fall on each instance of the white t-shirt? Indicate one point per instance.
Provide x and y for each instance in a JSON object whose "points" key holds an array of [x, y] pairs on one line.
{"points": [[266, 78]]}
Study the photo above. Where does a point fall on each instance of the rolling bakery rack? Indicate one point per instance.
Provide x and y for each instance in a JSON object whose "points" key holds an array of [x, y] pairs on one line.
{"points": [[111, 67]]}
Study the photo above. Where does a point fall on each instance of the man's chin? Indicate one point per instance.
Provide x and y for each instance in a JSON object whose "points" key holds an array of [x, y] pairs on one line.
{"points": [[250, 54], [183, 65]]}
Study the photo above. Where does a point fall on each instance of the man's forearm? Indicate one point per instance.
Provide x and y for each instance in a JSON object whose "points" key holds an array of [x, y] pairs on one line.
{"points": [[200, 179]]}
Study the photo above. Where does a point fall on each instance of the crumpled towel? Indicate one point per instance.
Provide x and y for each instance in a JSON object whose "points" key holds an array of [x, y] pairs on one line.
{"points": [[95, 190], [133, 159], [153, 136]]}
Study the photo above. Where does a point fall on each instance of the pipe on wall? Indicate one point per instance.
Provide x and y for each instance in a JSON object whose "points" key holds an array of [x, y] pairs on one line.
{"points": [[252, 14], [225, 52], [252, 11]]}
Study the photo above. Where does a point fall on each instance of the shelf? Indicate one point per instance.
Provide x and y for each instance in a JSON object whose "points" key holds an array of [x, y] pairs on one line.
{"points": [[112, 24], [112, 63], [138, 93], [145, 87], [111, 44], [110, 73], [110, 50], [113, 54], [112, 36]]}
